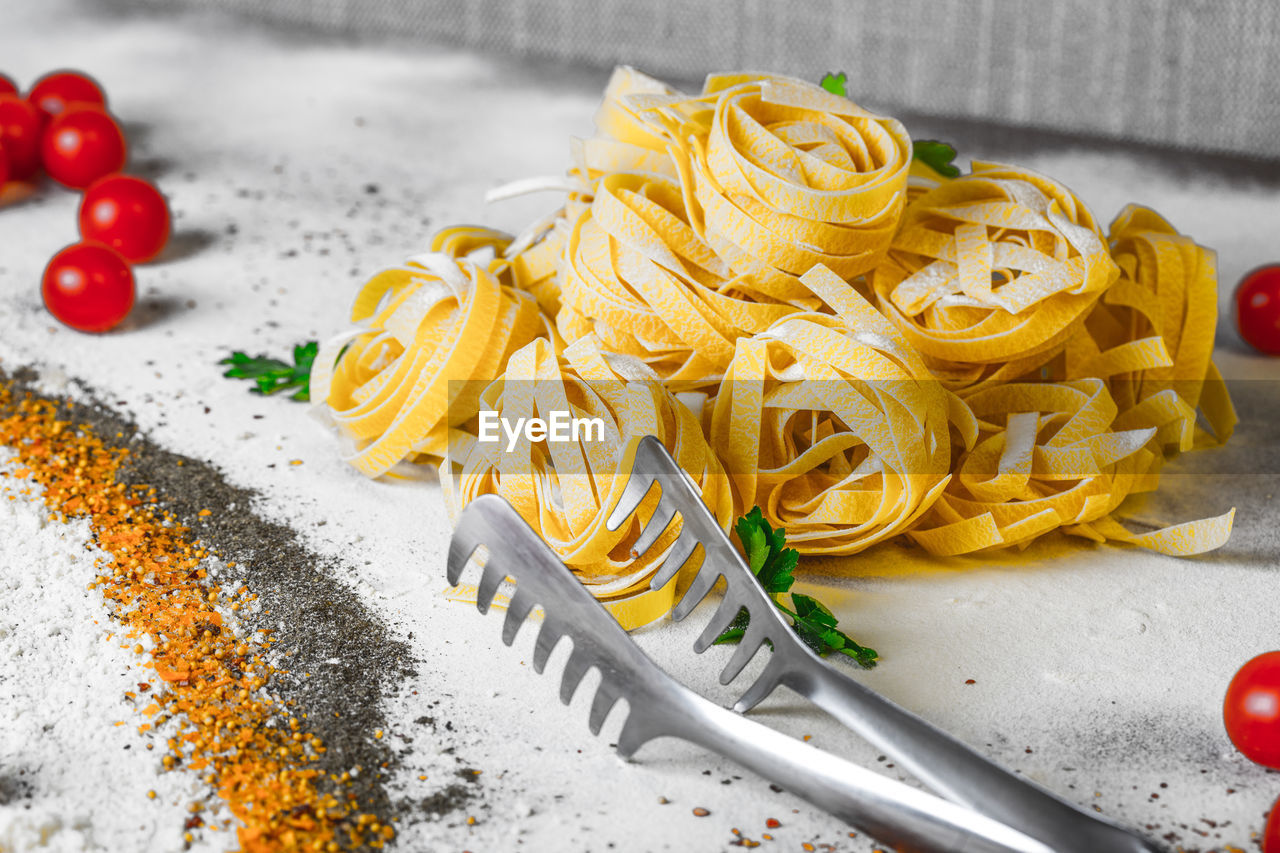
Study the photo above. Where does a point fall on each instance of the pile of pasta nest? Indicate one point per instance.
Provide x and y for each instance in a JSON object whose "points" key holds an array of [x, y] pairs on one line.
{"points": [[811, 321]]}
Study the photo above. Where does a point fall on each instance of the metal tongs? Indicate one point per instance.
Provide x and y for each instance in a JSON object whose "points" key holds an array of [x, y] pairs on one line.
{"points": [[986, 808]]}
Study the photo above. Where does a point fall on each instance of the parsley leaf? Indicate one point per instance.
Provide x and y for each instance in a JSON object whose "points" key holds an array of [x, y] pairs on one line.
{"points": [[937, 156], [816, 625], [270, 375], [834, 83], [774, 564], [767, 552]]}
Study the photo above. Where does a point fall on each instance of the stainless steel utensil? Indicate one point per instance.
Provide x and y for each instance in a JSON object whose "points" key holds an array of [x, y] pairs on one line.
{"points": [[940, 761], [659, 706]]}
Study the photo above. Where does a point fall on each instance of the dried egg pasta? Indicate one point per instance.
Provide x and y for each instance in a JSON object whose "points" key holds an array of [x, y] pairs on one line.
{"points": [[565, 490], [990, 273], [1049, 455], [1151, 335], [883, 350], [682, 253], [393, 387], [833, 425]]}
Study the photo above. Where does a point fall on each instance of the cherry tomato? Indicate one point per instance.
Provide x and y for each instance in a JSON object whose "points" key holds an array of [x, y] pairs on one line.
{"points": [[20, 127], [1271, 836], [4, 167], [1257, 309], [7, 86], [54, 92], [1251, 710], [82, 144], [88, 287], [126, 213]]}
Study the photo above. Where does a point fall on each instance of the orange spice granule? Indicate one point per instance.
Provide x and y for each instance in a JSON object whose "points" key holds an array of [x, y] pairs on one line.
{"points": [[250, 749]]}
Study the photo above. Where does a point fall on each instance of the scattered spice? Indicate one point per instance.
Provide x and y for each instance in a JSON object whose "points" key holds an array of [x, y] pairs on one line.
{"points": [[773, 823], [230, 726], [700, 812]]}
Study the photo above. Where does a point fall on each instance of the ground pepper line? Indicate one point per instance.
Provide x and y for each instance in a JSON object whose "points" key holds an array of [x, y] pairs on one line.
{"points": [[254, 751]]}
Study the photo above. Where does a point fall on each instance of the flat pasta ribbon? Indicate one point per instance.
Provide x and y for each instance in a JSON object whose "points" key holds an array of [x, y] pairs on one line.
{"points": [[528, 263], [780, 175], [637, 275], [1151, 335], [681, 255], [566, 489], [991, 273], [1048, 456], [833, 425], [623, 142], [431, 333], [625, 139]]}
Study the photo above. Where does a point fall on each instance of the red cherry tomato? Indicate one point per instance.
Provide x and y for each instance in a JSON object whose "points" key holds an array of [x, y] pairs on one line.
{"points": [[1271, 836], [1251, 710], [89, 287], [54, 92], [7, 86], [1258, 309], [4, 167], [128, 214], [82, 144], [20, 127]]}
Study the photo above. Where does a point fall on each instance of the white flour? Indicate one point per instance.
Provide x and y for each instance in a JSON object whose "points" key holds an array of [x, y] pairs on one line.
{"points": [[71, 779]]}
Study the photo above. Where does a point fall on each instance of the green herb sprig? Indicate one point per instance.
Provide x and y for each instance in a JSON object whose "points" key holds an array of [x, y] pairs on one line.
{"points": [[271, 376], [937, 156], [773, 563]]}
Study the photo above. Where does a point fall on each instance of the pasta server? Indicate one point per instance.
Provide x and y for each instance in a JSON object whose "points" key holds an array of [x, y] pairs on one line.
{"points": [[944, 764], [659, 706]]}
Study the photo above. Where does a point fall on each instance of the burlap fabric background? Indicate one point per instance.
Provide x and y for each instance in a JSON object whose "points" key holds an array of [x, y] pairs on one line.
{"points": [[1194, 74]]}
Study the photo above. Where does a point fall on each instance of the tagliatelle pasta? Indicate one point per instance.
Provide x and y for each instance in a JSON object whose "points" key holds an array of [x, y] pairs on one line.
{"points": [[394, 386], [565, 490], [625, 140], [681, 254], [785, 175], [638, 276], [1068, 454], [880, 350], [1151, 335], [991, 273], [1049, 455], [833, 425], [622, 143]]}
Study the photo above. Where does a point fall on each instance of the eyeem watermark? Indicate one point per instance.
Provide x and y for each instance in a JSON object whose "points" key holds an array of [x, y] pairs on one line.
{"points": [[559, 426]]}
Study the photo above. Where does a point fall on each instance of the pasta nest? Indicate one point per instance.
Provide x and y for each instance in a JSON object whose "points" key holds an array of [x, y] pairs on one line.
{"points": [[566, 489], [636, 274], [707, 209], [431, 333], [1052, 455], [1151, 335], [833, 425], [877, 349], [784, 175], [991, 273]]}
